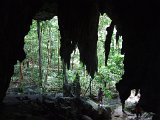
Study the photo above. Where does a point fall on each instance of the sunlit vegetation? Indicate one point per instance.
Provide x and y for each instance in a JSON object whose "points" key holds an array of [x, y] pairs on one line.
{"points": [[51, 69]]}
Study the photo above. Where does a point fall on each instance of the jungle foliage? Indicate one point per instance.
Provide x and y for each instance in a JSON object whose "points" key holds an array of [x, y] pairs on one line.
{"points": [[27, 72]]}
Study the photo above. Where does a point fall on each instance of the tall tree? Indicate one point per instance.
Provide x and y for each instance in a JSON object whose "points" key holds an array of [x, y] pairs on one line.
{"points": [[21, 73], [39, 51], [58, 52], [65, 78]]}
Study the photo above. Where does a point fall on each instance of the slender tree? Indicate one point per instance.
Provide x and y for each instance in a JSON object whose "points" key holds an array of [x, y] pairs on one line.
{"points": [[21, 73], [58, 52], [90, 86], [65, 79], [39, 51]]}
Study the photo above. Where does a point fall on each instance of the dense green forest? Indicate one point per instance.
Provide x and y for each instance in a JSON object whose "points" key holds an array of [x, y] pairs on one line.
{"points": [[43, 66]]}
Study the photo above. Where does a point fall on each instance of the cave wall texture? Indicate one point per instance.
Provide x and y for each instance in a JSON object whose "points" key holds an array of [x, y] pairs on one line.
{"points": [[138, 22]]}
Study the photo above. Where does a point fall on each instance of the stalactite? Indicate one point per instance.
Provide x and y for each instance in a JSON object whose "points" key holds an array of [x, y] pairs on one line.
{"points": [[137, 22], [108, 40], [79, 28]]}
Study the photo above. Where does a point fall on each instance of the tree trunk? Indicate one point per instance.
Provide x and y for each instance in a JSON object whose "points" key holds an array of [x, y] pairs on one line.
{"points": [[90, 86], [58, 53], [21, 73], [32, 74], [54, 57], [84, 70], [72, 61], [27, 62], [65, 79], [48, 51], [50, 46], [39, 52]]}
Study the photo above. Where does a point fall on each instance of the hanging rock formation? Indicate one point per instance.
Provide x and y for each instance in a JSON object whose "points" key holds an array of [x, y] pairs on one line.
{"points": [[137, 22], [78, 24]]}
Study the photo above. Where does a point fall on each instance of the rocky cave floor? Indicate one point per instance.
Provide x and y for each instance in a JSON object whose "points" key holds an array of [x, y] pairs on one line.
{"points": [[55, 107]]}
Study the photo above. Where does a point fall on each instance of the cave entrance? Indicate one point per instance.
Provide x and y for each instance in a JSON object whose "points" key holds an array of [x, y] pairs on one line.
{"points": [[43, 67], [140, 48], [42, 72]]}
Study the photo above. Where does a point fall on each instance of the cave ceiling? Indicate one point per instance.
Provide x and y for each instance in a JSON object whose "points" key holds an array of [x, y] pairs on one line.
{"points": [[138, 23]]}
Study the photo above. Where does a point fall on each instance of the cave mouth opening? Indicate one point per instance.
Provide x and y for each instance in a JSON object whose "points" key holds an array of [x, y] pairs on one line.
{"points": [[43, 70], [26, 84], [37, 74], [138, 45]]}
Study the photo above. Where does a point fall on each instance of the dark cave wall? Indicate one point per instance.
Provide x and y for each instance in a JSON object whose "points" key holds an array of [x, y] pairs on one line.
{"points": [[16, 18], [138, 22]]}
